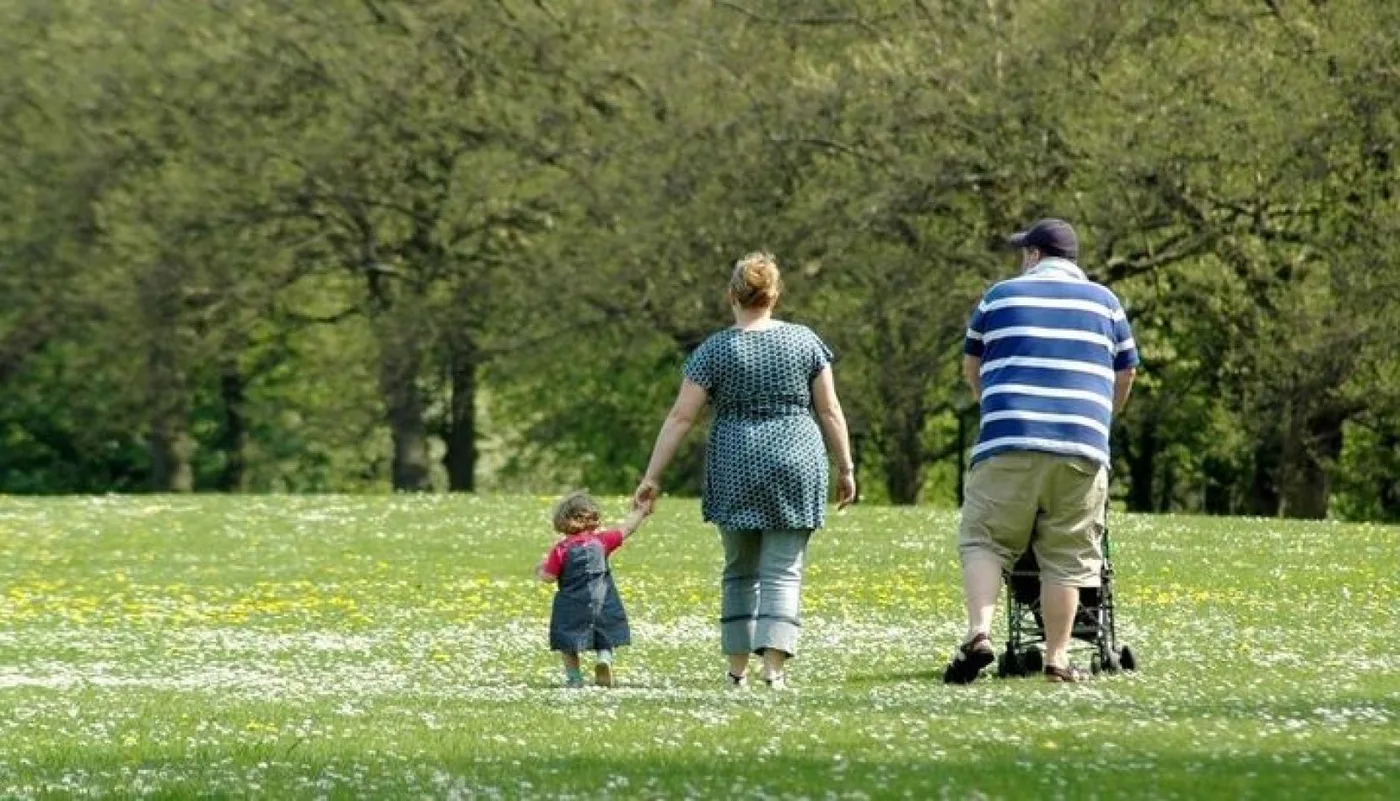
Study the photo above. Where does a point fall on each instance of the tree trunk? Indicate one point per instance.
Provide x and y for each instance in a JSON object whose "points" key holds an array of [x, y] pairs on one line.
{"points": [[1219, 481], [1263, 486], [1306, 488], [461, 456], [903, 478], [903, 456], [171, 450], [1141, 452], [167, 397], [1168, 489], [234, 439], [400, 361], [1387, 489], [1305, 492]]}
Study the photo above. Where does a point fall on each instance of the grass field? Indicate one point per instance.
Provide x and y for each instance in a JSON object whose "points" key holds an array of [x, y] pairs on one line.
{"points": [[394, 647]]}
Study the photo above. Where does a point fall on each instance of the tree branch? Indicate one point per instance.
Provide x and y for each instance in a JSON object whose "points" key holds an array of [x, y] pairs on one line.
{"points": [[321, 319], [1176, 248], [822, 19], [829, 144]]}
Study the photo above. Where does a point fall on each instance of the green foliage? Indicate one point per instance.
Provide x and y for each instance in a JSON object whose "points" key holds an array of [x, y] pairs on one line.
{"points": [[590, 423], [358, 245]]}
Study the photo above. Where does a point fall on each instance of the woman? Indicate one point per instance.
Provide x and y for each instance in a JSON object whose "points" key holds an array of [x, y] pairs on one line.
{"points": [[774, 397]]}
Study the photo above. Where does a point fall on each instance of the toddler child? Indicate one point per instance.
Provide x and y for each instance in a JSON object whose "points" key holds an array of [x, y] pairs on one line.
{"points": [[587, 613]]}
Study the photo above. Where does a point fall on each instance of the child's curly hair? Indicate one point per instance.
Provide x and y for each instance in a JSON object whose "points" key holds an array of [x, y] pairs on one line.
{"points": [[577, 513]]}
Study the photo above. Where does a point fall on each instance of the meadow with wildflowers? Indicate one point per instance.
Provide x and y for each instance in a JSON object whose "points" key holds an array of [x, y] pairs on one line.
{"points": [[387, 647]]}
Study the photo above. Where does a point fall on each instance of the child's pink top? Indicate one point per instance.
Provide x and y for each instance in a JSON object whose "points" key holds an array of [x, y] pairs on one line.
{"points": [[554, 562]]}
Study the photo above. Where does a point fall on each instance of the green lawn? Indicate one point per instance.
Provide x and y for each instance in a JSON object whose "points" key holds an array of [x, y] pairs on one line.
{"points": [[395, 647]]}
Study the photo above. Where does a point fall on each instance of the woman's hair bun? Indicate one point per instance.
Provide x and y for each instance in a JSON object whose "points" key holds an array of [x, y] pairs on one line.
{"points": [[756, 282]]}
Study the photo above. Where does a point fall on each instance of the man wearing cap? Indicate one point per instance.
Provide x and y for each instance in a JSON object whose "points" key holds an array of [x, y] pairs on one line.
{"points": [[1050, 358]]}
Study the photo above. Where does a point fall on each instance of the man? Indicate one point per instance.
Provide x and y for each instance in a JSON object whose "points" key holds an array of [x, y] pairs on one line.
{"points": [[1050, 358]]}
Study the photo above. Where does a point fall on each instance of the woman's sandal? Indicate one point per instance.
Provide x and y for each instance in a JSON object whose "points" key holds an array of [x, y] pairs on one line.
{"points": [[1065, 675]]}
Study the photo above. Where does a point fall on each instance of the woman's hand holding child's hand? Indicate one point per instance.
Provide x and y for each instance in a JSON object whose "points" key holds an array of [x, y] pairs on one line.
{"points": [[641, 510]]}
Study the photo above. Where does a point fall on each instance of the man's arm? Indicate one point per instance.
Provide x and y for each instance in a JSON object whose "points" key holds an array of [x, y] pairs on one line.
{"points": [[1125, 357], [973, 347], [972, 371], [1122, 387]]}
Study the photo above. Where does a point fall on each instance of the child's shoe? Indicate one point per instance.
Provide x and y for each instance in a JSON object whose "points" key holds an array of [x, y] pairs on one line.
{"points": [[734, 682], [602, 671], [775, 681], [573, 678]]}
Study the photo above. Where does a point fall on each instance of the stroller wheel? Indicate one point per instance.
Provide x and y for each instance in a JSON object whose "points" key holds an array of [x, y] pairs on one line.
{"points": [[1009, 666], [1127, 659], [1032, 661], [1104, 661]]}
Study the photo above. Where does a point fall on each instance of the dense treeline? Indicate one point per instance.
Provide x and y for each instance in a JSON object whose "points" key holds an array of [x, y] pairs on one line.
{"points": [[361, 244]]}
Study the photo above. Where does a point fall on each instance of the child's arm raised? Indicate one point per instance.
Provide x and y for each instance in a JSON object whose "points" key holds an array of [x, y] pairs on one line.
{"points": [[640, 512]]}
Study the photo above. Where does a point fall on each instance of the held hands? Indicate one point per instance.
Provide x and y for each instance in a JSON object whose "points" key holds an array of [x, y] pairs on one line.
{"points": [[645, 496], [642, 507]]}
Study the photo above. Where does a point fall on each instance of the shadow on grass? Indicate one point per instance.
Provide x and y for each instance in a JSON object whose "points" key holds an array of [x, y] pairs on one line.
{"points": [[928, 676]]}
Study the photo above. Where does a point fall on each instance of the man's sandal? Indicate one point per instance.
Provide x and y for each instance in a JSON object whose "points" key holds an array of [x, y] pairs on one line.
{"points": [[971, 657], [1064, 675]]}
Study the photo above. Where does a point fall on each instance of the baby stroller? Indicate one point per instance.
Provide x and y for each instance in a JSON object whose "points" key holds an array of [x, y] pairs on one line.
{"points": [[1093, 622]]}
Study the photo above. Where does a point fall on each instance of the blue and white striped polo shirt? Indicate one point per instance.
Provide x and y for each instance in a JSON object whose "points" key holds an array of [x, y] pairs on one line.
{"points": [[1050, 341]]}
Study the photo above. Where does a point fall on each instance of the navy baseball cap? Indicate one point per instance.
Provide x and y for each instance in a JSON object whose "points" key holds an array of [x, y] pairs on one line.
{"points": [[1052, 237]]}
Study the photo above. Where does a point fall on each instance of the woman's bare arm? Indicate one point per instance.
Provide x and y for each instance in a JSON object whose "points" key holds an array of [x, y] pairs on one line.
{"points": [[689, 401], [832, 420]]}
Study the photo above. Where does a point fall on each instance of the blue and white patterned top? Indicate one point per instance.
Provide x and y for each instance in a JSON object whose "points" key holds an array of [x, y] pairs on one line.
{"points": [[766, 462], [1050, 341]]}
